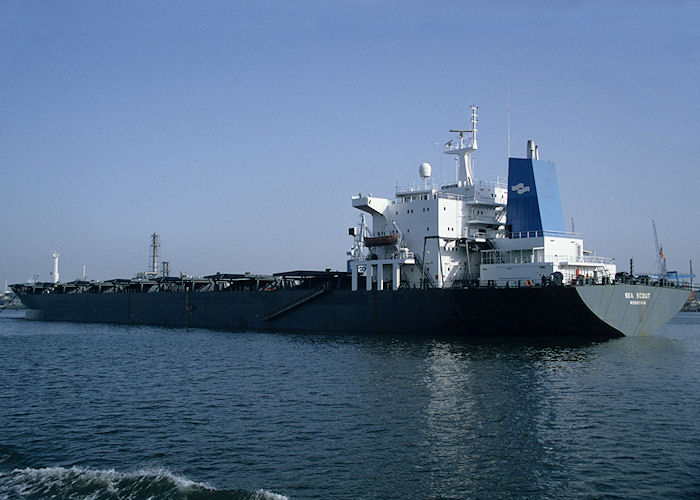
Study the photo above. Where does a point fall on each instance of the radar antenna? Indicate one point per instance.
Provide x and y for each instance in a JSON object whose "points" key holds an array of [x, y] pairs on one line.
{"points": [[473, 117], [465, 168]]}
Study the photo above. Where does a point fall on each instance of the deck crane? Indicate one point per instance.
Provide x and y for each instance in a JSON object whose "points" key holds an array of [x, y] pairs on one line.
{"points": [[660, 259]]}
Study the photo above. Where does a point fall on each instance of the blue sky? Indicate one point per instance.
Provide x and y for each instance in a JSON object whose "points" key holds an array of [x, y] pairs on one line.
{"points": [[239, 132]]}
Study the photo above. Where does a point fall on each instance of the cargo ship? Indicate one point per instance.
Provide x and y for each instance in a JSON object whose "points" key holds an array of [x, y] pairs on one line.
{"points": [[469, 258]]}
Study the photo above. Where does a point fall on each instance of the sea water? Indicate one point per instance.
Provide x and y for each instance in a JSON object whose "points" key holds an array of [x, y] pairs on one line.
{"points": [[101, 411]]}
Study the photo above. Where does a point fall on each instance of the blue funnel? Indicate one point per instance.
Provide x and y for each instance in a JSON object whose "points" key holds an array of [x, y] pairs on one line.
{"points": [[533, 198]]}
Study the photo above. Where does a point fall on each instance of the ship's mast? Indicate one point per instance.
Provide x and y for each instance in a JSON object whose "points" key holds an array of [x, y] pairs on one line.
{"points": [[55, 267], [154, 253], [465, 167], [508, 120]]}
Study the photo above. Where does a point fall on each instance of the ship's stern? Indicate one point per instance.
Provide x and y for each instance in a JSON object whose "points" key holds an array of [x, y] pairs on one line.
{"points": [[633, 310]]}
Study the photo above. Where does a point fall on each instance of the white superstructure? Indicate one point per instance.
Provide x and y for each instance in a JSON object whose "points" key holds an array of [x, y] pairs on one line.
{"points": [[459, 234]]}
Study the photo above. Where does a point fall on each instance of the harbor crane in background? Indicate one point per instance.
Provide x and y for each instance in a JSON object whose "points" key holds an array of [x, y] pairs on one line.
{"points": [[660, 266], [660, 270]]}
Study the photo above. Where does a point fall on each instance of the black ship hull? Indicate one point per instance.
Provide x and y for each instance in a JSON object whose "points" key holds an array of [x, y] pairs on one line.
{"points": [[591, 312]]}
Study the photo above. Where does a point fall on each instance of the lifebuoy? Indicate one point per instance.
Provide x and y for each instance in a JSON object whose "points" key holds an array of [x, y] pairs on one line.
{"points": [[528, 283]]}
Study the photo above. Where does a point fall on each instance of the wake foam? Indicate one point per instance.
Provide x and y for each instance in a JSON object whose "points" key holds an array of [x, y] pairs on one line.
{"points": [[86, 483]]}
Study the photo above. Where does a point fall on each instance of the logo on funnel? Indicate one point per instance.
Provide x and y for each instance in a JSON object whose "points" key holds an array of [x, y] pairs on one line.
{"points": [[520, 188]]}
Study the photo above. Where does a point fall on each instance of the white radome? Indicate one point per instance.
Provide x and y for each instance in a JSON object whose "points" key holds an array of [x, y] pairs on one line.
{"points": [[425, 170]]}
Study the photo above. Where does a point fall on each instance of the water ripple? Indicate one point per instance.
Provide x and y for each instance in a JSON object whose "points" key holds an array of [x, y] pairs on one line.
{"points": [[90, 410]]}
